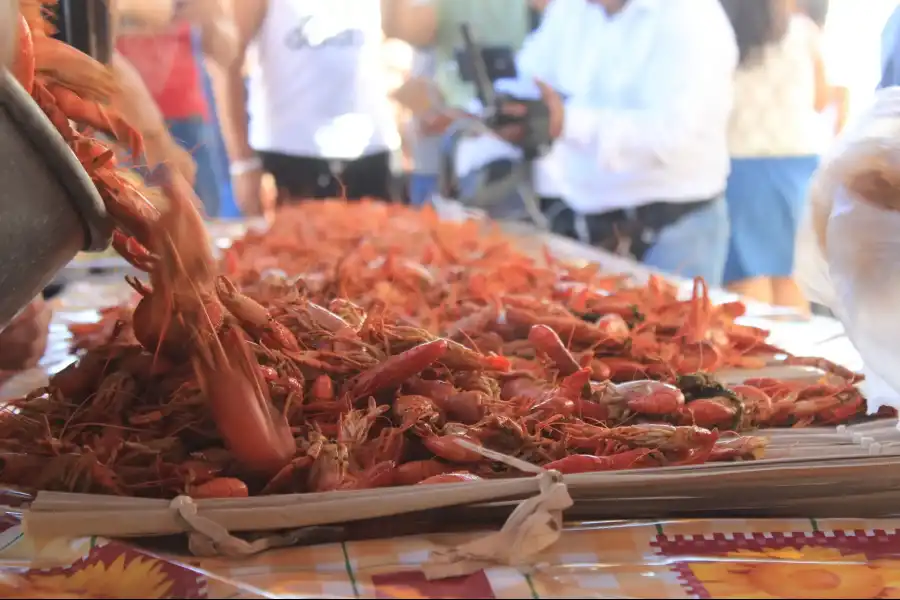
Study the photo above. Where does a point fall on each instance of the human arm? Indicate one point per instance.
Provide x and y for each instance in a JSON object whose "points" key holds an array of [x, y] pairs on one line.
{"points": [[823, 92], [840, 73], [136, 105], [231, 101], [412, 21], [134, 101], [218, 38], [147, 13], [398, 57], [218, 41], [24, 340], [840, 98], [824, 97]]}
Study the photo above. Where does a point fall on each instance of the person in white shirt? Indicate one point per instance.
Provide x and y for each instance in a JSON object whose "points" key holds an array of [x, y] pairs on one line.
{"points": [[433, 28], [320, 120], [639, 94], [775, 137]]}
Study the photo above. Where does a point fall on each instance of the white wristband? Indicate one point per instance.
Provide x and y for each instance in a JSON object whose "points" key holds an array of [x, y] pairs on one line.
{"points": [[246, 165]]}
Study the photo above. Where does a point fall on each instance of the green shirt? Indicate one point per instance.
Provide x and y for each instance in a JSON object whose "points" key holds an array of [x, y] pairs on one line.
{"points": [[493, 23]]}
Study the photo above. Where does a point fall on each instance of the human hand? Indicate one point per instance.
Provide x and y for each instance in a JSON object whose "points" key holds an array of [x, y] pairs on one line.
{"points": [[516, 131], [183, 162], [540, 5], [247, 188], [269, 198], [141, 14], [434, 124], [555, 105], [161, 148], [24, 340]]}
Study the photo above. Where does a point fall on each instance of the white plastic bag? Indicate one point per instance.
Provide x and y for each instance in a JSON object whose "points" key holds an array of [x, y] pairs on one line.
{"points": [[853, 242]]}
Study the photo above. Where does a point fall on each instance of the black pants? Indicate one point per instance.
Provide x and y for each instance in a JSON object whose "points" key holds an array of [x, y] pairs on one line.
{"points": [[301, 177]]}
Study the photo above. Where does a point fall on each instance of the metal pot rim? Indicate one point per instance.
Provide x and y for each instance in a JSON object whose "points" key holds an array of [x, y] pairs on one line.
{"points": [[60, 159]]}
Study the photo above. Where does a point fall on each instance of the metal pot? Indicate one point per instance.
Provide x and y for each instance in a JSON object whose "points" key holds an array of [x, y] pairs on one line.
{"points": [[9, 13], [49, 208]]}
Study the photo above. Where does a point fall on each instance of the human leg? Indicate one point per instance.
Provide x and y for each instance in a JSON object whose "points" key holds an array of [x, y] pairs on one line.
{"points": [[746, 186], [421, 188], [763, 227], [755, 288], [766, 198], [794, 185], [368, 177], [786, 292], [194, 135]]}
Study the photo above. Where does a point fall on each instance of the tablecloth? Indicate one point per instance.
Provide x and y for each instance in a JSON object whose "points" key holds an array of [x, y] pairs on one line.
{"points": [[798, 558]]}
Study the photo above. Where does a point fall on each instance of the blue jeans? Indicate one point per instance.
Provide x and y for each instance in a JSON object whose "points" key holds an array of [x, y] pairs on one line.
{"points": [[197, 137], [227, 206], [421, 187], [694, 246]]}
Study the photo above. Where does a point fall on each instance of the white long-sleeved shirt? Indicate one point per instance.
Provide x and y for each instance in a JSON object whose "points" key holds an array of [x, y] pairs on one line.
{"points": [[649, 93]]}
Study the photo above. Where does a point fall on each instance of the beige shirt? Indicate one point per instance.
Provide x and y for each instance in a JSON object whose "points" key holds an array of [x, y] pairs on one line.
{"points": [[774, 99]]}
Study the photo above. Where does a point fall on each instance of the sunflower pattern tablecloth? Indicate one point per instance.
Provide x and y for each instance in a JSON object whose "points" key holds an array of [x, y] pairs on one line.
{"points": [[679, 559]]}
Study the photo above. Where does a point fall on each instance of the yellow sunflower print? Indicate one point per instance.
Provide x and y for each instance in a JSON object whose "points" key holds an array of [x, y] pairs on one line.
{"points": [[16, 586], [140, 578], [810, 572], [400, 591]]}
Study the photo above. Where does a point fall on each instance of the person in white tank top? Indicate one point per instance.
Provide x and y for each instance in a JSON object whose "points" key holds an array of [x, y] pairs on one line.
{"points": [[775, 136], [320, 120]]}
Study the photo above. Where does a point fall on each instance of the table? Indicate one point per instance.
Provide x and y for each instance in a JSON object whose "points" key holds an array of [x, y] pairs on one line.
{"points": [[86, 291], [798, 558], [675, 559], [815, 336]]}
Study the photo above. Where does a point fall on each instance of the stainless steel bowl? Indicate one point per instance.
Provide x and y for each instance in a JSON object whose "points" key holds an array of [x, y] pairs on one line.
{"points": [[49, 208]]}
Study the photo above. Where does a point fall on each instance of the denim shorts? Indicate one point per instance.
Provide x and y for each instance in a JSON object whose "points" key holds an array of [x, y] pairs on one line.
{"points": [[766, 199], [694, 246], [421, 187]]}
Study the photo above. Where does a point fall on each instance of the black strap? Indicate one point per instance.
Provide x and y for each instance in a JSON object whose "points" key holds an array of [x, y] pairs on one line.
{"points": [[618, 231]]}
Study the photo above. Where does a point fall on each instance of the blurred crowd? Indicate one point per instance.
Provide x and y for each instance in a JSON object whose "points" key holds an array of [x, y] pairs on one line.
{"points": [[680, 133]]}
